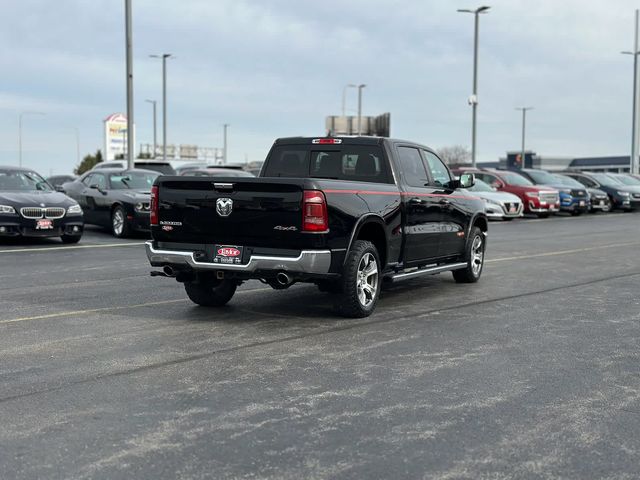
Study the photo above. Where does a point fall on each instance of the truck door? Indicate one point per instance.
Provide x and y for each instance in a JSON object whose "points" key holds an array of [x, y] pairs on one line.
{"points": [[452, 207], [421, 208]]}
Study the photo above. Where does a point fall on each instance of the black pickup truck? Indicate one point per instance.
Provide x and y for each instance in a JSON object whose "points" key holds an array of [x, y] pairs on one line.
{"points": [[344, 213]]}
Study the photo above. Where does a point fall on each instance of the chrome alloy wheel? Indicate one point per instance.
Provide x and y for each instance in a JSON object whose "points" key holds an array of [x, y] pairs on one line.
{"points": [[367, 279], [477, 255], [118, 222]]}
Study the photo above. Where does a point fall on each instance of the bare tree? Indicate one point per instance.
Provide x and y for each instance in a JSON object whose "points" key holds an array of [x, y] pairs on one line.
{"points": [[455, 155]]}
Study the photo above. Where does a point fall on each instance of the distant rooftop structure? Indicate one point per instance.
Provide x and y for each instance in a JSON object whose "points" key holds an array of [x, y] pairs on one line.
{"points": [[558, 163]]}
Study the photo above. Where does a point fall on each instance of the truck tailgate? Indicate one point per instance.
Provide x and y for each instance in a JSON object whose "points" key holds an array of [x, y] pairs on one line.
{"points": [[227, 211]]}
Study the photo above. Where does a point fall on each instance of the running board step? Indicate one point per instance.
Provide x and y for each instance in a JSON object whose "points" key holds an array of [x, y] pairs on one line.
{"points": [[426, 271]]}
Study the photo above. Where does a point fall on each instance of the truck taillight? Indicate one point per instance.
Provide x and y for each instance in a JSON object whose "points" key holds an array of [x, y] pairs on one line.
{"points": [[153, 208], [314, 212]]}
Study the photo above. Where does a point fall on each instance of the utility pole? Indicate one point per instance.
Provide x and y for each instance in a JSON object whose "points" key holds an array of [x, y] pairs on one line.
{"points": [[224, 148], [164, 57], [633, 161], [155, 143], [524, 121], [473, 100], [129, 41], [360, 87]]}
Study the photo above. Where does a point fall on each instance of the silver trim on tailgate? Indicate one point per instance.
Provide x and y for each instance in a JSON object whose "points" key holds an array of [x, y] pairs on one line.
{"points": [[309, 261]]}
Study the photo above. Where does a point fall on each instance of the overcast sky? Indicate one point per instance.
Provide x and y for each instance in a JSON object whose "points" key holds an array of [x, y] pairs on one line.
{"points": [[275, 68]]}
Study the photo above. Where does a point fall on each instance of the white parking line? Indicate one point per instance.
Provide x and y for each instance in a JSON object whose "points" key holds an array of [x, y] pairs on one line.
{"points": [[563, 252], [111, 309], [72, 247]]}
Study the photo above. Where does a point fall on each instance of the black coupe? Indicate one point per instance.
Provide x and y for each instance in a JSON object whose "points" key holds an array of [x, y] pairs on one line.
{"points": [[29, 207], [114, 198]]}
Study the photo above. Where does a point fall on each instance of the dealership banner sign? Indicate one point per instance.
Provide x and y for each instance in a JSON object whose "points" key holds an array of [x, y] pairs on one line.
{"points": [[115, 135]]}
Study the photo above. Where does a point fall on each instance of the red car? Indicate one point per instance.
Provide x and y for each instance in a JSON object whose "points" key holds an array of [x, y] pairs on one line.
{"points": [[538, 200]]}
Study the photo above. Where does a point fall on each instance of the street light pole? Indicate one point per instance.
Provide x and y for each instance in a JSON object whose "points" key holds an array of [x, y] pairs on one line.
{"points": [[155, 143], [524, 121], [224, 148], [164, 57], [20, 133], [344, 97], [633, 162], [360, 87], [474, 97], [130, 121]]}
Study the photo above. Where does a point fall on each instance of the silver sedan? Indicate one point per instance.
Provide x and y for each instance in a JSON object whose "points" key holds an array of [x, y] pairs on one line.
{"points": [[498, 205]]}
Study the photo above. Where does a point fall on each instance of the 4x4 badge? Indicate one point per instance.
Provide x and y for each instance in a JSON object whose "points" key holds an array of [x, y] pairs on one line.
{"points": [[224, 206]]}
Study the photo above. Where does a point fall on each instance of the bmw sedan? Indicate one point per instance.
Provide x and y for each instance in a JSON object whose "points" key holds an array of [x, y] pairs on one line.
{"points": [[29, 207], [114, 198]]}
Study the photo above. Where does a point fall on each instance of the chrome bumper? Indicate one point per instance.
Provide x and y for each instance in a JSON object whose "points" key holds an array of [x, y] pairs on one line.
{"points": [[309, 261]]}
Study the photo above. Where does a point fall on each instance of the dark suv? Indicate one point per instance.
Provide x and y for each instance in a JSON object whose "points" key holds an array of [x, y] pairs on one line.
{"points": [[623, 197]]}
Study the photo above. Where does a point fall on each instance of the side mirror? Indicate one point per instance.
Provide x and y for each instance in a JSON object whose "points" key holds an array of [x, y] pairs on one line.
{"points": [[95, 186], [467, 180], [59, 188]]}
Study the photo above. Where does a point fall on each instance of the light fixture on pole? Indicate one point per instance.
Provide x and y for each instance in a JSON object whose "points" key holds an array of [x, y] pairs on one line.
{"points": [[20, 133], [155, 143], [129, 54], [164, 57], [473, 100], [344, 97], [360, 87], [524, 122], [633, 162]]}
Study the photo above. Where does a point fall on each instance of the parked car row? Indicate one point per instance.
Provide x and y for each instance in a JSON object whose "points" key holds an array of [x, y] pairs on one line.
{"points": [[542, 193], [118, 199]]}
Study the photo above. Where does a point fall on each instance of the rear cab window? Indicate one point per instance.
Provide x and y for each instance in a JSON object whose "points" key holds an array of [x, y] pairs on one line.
{"points": [[355, 163]]}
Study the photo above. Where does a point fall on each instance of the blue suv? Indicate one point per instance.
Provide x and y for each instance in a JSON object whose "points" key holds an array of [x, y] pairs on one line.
{"points": [[572, 200]]}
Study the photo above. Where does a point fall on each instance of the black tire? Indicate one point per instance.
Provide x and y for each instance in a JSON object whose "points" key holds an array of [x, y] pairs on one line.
{"points": [[475, 264], [211, 293], [70, 238], [355, 301], [123, 229]]}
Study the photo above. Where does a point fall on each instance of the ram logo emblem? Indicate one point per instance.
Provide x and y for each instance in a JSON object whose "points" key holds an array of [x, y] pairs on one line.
{"points": [[224, 206]]}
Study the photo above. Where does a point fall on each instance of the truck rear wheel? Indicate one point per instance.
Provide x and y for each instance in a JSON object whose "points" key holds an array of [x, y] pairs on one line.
{"points": [[361, 281], [214, 293], [474, 255]]}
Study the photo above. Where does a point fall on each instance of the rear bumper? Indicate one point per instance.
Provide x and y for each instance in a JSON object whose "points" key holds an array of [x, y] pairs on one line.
{"points": [[315, 262]]}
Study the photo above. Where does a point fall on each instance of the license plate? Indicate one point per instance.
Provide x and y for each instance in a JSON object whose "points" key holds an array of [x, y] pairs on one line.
{"points": [[602, 203], [512, 210], [44, 224], [582, 203], [228, 254]]}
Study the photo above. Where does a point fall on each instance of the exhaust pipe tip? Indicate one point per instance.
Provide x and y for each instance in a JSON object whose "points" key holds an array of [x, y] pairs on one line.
{"points": [[284, 279], [169, 271]]}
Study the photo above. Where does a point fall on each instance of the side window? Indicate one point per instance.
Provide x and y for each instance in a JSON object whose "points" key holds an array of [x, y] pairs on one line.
{"points": [[490, 179], [412, 167], [587, 182], [87, 180], [100, 180], [439, 172]]}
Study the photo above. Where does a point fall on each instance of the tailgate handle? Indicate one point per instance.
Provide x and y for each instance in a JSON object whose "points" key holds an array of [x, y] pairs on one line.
{"points": [[223, 186]]}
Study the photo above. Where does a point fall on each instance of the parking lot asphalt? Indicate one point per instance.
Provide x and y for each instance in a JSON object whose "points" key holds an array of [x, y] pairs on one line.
{"points": [[533, 372]]}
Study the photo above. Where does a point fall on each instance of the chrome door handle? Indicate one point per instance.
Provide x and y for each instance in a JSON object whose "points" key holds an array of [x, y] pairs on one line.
{"points": [[444, 201]]}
